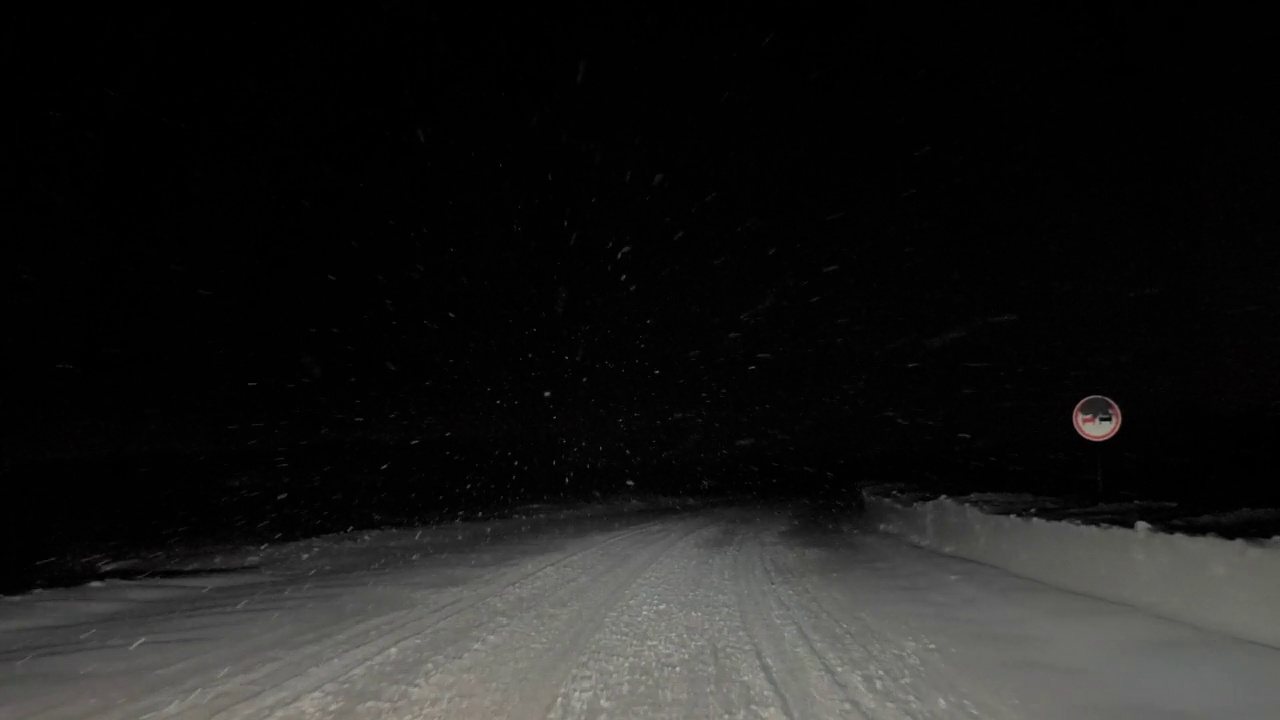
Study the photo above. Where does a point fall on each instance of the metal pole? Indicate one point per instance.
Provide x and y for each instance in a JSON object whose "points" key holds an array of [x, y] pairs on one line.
{"points": [[1099, 450]]}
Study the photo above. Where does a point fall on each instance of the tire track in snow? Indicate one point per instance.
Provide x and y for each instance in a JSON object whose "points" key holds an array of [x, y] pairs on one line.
{"points": [[327, 653], [922, 681], [488, 659], [675, 646], [806, 681], [877, 677], [135, 687]]}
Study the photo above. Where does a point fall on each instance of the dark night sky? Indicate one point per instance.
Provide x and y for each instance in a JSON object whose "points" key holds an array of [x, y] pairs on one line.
{"points": [[250, 251]]}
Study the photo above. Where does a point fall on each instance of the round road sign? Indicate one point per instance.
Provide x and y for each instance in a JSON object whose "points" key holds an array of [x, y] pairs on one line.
{"points": [[1096, 418]]}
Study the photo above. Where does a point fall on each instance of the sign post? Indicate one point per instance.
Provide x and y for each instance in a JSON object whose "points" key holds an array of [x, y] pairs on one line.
{"points": [[1097, 418]]}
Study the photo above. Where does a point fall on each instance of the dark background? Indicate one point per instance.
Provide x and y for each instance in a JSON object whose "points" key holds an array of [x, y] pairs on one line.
{"points": [[272, 273]]}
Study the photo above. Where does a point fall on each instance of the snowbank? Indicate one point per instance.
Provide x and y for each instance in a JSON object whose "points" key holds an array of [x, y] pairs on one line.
{"points": [[373, 549], [1232, 586]]}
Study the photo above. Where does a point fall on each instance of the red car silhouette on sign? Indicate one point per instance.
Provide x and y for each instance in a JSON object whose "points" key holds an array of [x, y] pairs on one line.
{"points": [[1096, 418]]}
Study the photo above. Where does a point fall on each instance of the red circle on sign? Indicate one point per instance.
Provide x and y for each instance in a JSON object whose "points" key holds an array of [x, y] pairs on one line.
{"points": [[1096, 418]]}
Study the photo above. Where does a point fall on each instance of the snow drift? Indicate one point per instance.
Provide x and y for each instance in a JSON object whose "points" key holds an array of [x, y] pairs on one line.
{"points": [[1231, 586]]}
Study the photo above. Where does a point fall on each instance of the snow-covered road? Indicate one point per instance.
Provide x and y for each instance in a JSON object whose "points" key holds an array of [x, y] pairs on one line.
{"points": [[745, 612]]}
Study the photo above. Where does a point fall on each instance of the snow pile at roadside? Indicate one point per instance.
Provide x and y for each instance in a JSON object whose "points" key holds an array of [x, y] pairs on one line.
{"points": [[453, 548], [371, 549], [1231, 586], [381, 549], [1235, 520]]}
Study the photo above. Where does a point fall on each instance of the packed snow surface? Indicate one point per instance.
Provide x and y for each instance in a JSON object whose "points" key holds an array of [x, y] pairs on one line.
{"points": [[745, 612]]}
